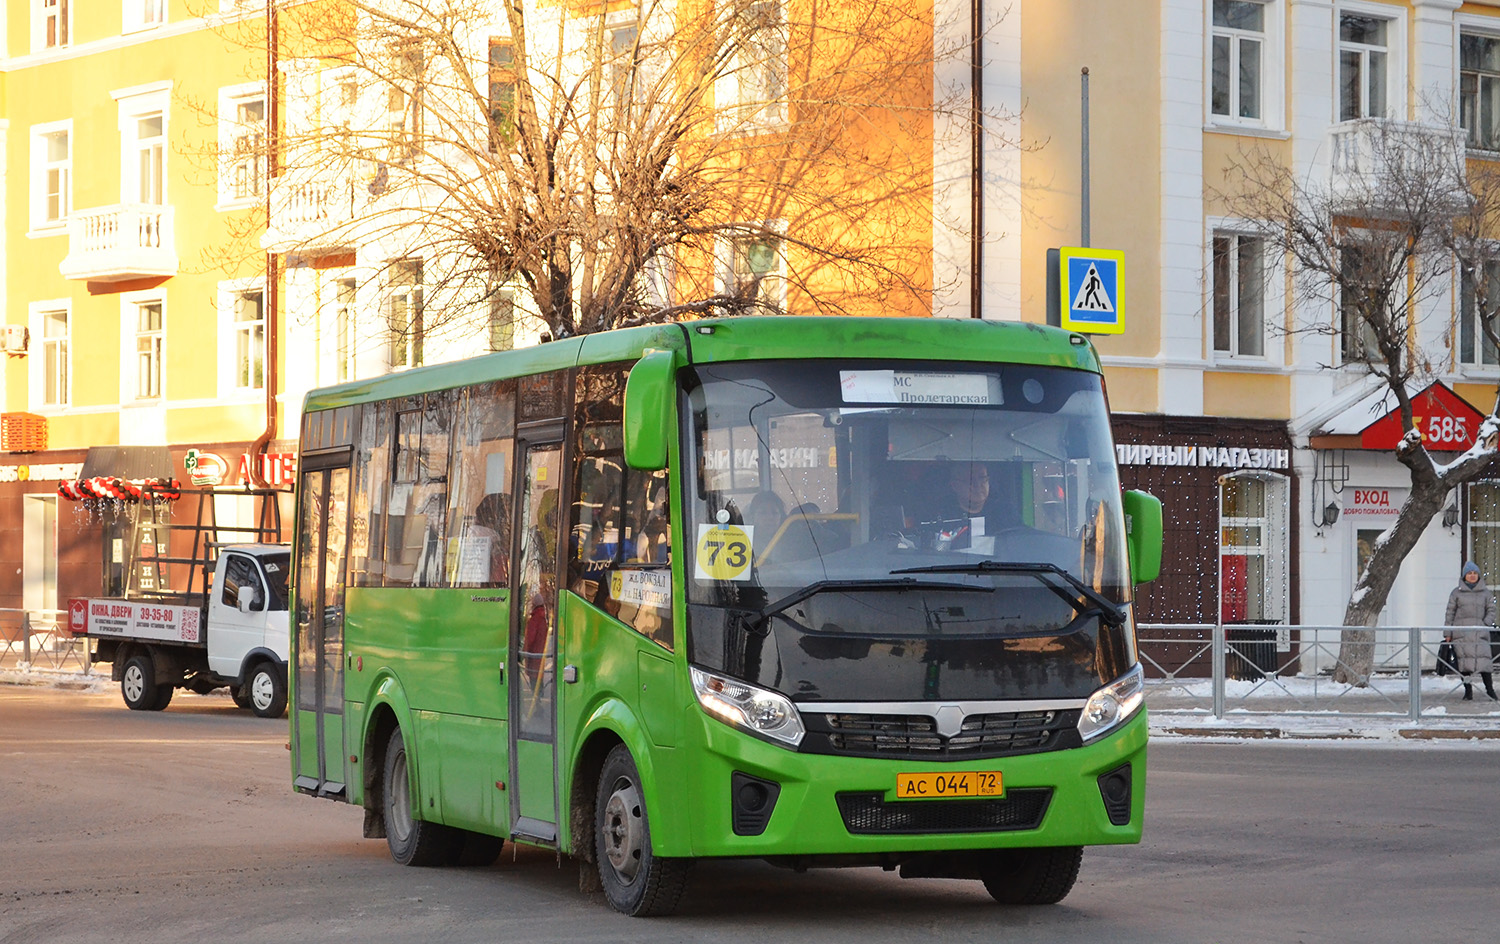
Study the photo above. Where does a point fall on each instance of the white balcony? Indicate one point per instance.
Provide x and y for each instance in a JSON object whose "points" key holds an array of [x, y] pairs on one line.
{"points": [[120, 242], [310, 211], [1379, 164]]}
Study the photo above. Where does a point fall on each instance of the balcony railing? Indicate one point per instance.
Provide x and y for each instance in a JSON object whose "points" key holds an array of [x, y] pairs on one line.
{"points": [[1377, 160], [124, 241], [310, 210]]}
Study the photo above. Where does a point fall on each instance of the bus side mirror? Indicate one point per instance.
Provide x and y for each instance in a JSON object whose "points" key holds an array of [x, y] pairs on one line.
{"points": [[1143, 535], [648, 410]]}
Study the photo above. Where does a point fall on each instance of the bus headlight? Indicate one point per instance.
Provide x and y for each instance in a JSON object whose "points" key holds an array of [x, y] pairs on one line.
{"points": [[756, 710], [1113, 704]]}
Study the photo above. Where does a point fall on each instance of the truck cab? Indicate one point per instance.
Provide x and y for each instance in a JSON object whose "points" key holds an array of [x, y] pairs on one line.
{"points": [[248, 623]]}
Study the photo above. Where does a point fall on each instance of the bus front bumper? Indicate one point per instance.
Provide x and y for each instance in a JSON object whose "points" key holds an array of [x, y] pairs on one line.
{"points": [[753, 798]]}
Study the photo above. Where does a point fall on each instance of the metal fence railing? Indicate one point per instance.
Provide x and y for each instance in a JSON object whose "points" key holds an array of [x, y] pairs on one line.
{"points": [[38, 641], [1218, 668]]}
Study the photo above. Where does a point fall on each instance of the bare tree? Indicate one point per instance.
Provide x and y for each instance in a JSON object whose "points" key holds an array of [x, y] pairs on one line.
{"points": [[610, 165], [1376, 242]]}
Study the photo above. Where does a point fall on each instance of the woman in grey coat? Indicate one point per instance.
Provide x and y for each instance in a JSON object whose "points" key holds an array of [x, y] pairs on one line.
{"points": [[1471, 605]]}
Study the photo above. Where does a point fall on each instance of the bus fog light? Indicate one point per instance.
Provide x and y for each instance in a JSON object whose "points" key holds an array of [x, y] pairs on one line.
{"points": [[1113, 704], [748, 707]]}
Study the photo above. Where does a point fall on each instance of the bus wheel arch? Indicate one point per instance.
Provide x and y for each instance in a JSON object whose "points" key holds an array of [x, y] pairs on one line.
{"points": [[586, 768], [382, 720], [636, 881]]}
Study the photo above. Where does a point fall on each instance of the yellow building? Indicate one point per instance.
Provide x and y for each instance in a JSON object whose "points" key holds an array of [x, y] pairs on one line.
{"points": [[135, 296]]}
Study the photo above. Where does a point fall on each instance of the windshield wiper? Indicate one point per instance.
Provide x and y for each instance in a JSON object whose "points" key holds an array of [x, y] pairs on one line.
{"points": [[1111, 613], [820, 586]]}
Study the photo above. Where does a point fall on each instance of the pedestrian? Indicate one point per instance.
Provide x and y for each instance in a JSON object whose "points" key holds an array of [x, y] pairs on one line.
{"points": [[1471, 606]]}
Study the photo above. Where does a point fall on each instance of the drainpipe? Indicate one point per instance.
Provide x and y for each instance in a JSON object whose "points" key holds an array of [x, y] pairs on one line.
{"points": [[976, 144], [273, 293]]}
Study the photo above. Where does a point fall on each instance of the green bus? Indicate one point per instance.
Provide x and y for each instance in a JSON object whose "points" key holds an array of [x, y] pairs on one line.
{"points": [[822, 591]]}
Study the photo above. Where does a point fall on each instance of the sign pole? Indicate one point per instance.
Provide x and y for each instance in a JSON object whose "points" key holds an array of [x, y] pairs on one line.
{"points": [[1084, 229]]}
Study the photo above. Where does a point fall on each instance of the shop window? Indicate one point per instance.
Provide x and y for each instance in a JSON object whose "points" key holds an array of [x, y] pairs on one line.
{"points": [[1253, 548], [1484, 528]]}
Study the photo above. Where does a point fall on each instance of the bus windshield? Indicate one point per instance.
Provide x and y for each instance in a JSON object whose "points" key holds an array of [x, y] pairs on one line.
{"points": [[918, 530]]}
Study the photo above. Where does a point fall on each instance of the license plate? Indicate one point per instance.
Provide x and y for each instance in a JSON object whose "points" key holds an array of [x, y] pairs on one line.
{"points": [[943, 786]]}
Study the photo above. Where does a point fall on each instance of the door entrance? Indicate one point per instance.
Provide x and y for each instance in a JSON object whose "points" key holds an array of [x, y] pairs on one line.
{"points": [[533, 692], [322, 525]]}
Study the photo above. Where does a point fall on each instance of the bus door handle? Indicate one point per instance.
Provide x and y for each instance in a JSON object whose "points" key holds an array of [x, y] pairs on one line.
{"points": [[570, 674], [502, 670]]}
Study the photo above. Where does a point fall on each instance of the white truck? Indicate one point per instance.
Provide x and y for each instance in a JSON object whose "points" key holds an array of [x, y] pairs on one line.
{"points": [[235, 633]]}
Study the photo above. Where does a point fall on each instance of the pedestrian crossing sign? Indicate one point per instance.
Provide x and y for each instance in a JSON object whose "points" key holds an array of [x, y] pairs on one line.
{"points": [[1093, 300]]}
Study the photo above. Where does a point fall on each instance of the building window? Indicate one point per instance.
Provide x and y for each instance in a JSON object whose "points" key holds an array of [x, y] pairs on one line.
{"points": [[55, 21], [343, 328], [1364, 66], [752, 270], [149, 338], [1239, 295], [242, 142], [56, 359], [403, 313], [148, 154], [1479, 90], [1253, 548], [1359, 341], [1474, 345], [53, 176], [144, 14], [502, 321], [249, 340], [1239, 44], [404, 104], [502, 92], [752, 89]]}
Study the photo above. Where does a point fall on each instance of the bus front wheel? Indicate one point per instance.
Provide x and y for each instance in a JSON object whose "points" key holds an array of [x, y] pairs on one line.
{"points": [[636, 881], [1031, 876], [412, 841]]}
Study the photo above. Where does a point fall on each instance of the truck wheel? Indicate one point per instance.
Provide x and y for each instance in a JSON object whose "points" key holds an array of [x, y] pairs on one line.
{"points": [[138, 684], [267, 691], [636, 881], [412, 841], [240, 695], [163, 697], [1031, 876]]}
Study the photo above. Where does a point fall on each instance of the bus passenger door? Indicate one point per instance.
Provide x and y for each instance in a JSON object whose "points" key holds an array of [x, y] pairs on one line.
{"points": [[322, 522], [533, 689]]}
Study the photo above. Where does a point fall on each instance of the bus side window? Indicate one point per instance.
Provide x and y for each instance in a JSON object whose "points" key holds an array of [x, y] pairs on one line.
{"points": [[619, 517], [479, 486], [370, 496]]}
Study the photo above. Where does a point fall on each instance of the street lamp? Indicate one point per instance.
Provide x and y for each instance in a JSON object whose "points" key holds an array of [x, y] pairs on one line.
{"points": [[1450, 514], [1330, 515]]}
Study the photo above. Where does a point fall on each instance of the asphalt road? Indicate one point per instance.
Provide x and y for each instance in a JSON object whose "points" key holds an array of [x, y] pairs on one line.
{"points": [[182, 827]]}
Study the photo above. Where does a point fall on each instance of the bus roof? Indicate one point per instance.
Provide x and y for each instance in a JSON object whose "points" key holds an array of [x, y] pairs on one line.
{"points": [[743, 339]]}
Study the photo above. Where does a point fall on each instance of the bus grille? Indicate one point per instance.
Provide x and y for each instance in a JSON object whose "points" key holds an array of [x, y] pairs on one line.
{"points": [[870, 813], [915, 737]]}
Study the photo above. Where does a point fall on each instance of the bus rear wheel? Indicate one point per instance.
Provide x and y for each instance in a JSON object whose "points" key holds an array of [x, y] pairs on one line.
{"points": [[1031, 876], [636, 881], [412, 841]]}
